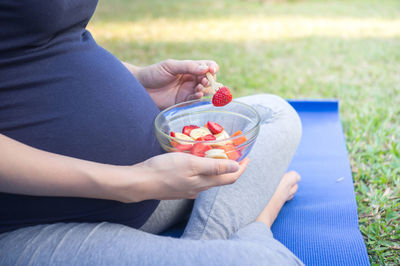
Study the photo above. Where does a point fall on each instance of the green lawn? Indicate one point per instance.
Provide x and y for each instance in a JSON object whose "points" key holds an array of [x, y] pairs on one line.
{"points": [[346, 49]]}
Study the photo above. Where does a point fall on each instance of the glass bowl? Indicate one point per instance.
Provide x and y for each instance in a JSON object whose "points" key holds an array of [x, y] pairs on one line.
{"points": [[232, 117]]}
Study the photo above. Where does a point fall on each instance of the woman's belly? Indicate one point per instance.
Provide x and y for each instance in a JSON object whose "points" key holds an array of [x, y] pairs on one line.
{"points": [[82, 103]]}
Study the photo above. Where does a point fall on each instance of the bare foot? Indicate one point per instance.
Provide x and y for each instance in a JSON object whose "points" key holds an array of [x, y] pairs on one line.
{"points": [[285, 192]]}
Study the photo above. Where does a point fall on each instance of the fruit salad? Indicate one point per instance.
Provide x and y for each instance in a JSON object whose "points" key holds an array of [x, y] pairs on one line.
{"points": [[219, 147]]}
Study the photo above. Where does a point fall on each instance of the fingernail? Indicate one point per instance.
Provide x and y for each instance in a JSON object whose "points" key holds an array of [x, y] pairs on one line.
{"points": [[203, 67], [233, 167], [215, 69]]}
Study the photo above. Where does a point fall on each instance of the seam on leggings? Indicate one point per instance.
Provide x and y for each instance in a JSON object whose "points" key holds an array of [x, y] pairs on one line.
{"points": [[209, 213], [61, 241], [86, 238], [45, 228], [28, 244]]}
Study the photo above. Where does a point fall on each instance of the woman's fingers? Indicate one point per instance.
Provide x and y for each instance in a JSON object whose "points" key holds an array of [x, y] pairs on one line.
{"points": [[204, 81], [220, 172], [212, 65], [208, 166], [226, 179], [176, 67], [200, 67], [195, 96], [195, 71], [199, 88]]}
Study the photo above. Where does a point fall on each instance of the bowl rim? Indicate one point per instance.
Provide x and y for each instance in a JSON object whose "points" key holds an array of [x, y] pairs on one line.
{"points": [[254, 128]]}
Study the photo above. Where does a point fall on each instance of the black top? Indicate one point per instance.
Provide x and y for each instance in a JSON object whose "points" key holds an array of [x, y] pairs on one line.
{"points": [[62, 93]]}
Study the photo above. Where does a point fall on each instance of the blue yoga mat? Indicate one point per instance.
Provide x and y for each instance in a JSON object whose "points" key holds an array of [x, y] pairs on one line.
{"points": [[320, 224]]}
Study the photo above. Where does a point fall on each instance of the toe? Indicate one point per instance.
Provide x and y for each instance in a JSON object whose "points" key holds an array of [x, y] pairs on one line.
{"points": [[293, 176], [293, 190]]}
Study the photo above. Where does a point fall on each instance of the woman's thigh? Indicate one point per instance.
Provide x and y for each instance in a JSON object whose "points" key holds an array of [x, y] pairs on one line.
{"points": [[221, 211], [167, 214], [115, 244]]}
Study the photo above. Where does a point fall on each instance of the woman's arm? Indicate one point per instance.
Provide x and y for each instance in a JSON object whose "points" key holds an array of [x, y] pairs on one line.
{"points": [[26, 170]]}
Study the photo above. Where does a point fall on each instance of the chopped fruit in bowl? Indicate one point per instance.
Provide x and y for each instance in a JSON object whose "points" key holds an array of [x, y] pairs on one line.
{"points": [[202, 129], [211, 141]]}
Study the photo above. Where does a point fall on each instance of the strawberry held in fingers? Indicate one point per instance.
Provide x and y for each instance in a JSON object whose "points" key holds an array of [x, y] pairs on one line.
{"points": [[222, 97]]}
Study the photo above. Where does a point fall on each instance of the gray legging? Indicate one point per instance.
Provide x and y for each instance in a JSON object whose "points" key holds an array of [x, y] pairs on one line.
{"points": [[221, 229]]}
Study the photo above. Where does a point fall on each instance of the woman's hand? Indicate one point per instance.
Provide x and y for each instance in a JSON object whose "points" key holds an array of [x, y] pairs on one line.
{"points": [[178, 175], [173, 81]]}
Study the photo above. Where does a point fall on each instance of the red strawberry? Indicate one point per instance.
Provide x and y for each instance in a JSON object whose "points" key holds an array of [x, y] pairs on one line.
{"points": [[209, 137], [172, 134], [214, 127], [184, 147], [186, 129], [199, 149], [206, 138], [222, 97]]}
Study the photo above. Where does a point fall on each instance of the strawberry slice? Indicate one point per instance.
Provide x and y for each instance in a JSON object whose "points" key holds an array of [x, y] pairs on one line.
{"points": [[206, 138], [184, 147], [209, 137], [186, 129], [222, 97], [199, 149], [214, 127], [172, 134]]}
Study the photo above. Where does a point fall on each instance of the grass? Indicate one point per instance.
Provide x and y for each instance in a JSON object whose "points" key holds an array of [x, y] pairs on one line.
{"points": [[297, 49]]}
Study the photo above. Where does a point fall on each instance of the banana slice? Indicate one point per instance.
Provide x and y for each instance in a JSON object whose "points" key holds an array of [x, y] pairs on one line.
{"points": [[216, 154], [199, 132], [183, 137], [221, 136]]}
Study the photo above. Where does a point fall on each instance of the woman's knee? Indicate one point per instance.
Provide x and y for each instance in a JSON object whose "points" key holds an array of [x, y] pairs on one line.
{"points": [[274, 109], [285, 114]]}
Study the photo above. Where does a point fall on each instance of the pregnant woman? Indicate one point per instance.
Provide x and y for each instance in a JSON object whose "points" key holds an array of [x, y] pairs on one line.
{"points": [[82, 178]]}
